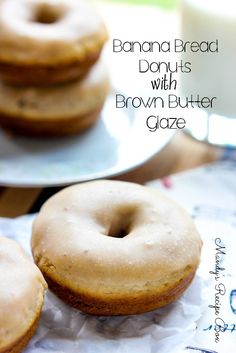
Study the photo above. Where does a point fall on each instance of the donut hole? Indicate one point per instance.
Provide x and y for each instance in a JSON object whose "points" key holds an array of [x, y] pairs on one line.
{"points": [[46, 14], [121, 223], [118, 233]]}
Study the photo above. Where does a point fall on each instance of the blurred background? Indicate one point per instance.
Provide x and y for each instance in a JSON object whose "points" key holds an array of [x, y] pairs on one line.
{"points": [[118, 146], [166, 4]]}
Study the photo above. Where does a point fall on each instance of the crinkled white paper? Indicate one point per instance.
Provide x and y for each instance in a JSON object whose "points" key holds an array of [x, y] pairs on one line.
{"points": [[63, 329], [209, 194]]}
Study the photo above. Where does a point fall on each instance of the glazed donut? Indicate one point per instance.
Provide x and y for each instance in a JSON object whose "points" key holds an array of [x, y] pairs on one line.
{"points": [[56, 110], [115, 248], [45, 42], [21, 297]]}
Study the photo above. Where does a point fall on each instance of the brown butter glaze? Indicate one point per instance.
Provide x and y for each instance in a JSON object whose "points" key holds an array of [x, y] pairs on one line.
{"points": [[21, 296], [107, 243], [48, 42]]}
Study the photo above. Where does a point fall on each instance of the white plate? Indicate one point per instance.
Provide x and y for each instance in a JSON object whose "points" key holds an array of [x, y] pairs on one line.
{"points": [[119, 142]]}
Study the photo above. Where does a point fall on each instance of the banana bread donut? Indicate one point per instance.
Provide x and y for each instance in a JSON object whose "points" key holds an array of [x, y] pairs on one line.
{"points": [[115, 248], [21, 297], [45, 42], [57, 110]]}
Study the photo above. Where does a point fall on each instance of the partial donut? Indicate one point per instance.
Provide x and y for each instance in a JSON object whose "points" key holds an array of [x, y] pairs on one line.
{"points": [[115, 248], [44, 42], [57, 110], [21, 297]]}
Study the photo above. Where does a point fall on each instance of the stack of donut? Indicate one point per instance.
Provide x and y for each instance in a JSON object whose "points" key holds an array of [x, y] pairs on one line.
{"points": [[52, 80]]}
